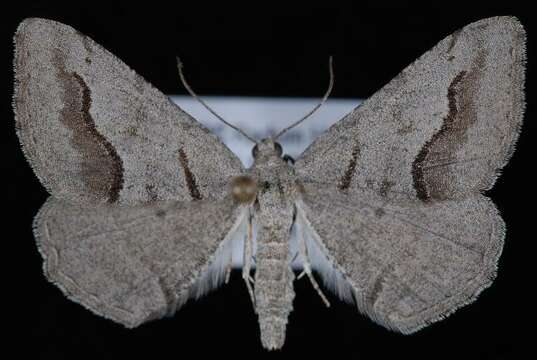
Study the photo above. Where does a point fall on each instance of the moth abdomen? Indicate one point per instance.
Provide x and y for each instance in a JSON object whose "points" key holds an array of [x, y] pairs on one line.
{"points": [[274, 277]]}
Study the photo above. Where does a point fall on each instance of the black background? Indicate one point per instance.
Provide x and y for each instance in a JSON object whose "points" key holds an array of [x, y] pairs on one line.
{"points": [[265, 49]]}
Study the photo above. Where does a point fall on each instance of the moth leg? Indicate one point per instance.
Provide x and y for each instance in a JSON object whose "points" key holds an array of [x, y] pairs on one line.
{"points": [[303, 251], [247, 256], [229, 266]]}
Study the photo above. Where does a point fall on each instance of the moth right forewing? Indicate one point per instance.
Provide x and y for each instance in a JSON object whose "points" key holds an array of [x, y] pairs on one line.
{"points": [[441, 129], [132, 264]]}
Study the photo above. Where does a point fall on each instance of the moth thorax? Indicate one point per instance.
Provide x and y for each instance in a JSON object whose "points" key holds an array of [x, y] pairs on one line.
{"points": [[244, 189]]}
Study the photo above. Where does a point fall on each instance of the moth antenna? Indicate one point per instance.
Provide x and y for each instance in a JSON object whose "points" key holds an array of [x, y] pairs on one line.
{"points": [[325, 97], [193, 94]]}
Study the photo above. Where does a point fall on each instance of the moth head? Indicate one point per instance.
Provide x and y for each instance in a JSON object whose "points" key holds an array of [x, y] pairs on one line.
{"points": [[244, 189], [267, 148]]}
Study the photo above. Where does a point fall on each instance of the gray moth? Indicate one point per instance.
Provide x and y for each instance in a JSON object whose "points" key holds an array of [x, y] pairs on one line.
{"points": [[387, 206]]}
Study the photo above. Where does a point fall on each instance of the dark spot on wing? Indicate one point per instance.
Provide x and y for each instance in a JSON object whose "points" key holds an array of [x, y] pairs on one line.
{"points": [[385, 187], [189, 176], [351, 168], [380, 212], [101, 168], [280, 187], [132, 130], [151, 193], [160, 213], [405, 129]]}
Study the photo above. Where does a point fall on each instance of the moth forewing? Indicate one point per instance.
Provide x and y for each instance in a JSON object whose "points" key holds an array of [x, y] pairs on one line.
{"points": [[442, 129], [95, 131]]}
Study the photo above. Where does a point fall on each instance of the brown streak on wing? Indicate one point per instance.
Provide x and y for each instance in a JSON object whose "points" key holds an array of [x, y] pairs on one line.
{"points": [[436, 182], [189, 176], [418, 165], [101, 166], [351, 168]]}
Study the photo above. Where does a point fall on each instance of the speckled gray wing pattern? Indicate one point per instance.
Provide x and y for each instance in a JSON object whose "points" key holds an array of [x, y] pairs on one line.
{"points": [[132, 264], [409, 263], [393, 191], [95, 131], [441, 129], [138, 213]]}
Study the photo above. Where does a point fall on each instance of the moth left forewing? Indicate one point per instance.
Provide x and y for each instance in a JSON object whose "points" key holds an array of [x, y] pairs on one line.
{"points": [[408, 264], [95, 131]]}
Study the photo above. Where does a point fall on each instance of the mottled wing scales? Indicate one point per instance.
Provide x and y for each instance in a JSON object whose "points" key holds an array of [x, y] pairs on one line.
{"points": [[409, 264], [442, 129], [132, 264], [95, 131]]}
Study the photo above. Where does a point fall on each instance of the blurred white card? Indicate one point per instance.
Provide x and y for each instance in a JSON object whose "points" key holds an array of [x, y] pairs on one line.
{"points": [[262, 117]]}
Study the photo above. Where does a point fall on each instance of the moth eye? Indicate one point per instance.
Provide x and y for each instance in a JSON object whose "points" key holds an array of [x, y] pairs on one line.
{"points": [[255, 150], [278, 148]]}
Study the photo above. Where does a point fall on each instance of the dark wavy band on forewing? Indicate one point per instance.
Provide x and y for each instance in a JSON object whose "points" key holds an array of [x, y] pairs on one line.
{"points": [[101, 167], [438, 153]]}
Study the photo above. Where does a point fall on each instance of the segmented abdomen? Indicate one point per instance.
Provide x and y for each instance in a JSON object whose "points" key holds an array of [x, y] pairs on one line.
{"points": [[274, 292]]}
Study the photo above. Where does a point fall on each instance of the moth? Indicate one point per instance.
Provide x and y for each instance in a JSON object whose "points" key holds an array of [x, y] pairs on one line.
{"points": [[387, 206]]}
